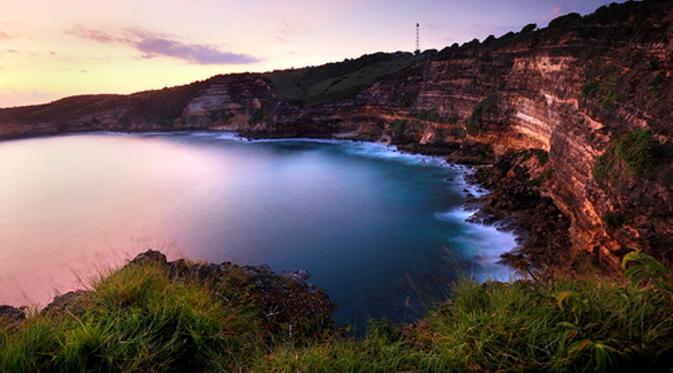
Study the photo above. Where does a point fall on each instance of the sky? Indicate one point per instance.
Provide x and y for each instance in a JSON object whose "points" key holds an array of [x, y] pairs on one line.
{"points": [[50, 49]]}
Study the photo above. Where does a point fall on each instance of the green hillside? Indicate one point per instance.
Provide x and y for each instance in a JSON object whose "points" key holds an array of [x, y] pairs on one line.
{"points": [[336, 81]]}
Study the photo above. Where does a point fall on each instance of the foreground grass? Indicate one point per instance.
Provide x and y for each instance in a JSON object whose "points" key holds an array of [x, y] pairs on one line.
{"points": [[598, 325], [139, 319], [136, 320]]}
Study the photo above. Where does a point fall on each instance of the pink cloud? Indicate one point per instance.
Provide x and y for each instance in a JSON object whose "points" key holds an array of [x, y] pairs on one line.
{"points": [[91, 34], [193, 53], [153, 45]]}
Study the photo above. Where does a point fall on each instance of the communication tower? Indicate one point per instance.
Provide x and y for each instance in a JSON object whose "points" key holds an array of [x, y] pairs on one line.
{"points": [[418, 38]]}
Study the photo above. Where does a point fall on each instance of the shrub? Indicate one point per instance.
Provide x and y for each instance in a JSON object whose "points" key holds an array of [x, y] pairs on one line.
{"points": [[638, 150], [488, 106], [603, 166], [399, 128]]}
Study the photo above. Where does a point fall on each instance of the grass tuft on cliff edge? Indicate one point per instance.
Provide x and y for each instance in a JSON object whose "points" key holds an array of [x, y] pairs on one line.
{"points": [[142, 319], [137, 319]]}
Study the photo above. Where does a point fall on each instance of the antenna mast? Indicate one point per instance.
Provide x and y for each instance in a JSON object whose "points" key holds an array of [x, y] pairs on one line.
{"points": [[418, 38]]}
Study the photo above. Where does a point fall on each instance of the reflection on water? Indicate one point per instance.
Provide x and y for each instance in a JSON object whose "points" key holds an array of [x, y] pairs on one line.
{"points": [[378, 229]]}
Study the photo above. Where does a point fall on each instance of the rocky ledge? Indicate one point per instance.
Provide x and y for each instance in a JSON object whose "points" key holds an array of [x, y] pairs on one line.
{"points": [[514, 203], [284, 303]]}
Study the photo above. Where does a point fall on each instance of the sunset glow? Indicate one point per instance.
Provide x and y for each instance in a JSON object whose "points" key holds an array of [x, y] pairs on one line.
{"points": [[53, 49]]}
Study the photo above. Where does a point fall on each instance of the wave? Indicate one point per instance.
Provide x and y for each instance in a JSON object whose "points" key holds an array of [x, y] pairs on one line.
{"points": [[356, 148], [482, 245]]}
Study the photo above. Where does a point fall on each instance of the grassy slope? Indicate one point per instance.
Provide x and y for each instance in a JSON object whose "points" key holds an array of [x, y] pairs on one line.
{"points": [[140, 319], [335, 81]]}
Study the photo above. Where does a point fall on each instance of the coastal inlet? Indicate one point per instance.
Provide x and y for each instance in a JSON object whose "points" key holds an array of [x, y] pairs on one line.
{"points": [[383, 232]]}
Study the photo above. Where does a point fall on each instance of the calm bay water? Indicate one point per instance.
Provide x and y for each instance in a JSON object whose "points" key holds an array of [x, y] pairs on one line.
{"points": [[382, 232]]}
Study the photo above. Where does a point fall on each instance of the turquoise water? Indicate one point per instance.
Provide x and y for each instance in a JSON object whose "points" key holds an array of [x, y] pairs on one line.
{"points": [[383, 232]]}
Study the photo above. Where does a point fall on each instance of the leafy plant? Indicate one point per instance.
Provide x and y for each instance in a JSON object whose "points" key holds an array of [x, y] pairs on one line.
{"points": [[642, 269]]}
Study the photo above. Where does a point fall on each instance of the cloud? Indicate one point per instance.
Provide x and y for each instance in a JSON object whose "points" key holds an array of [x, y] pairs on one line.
{"points": [[153, 45], [193, 53], [91, 34], [4, 35]]}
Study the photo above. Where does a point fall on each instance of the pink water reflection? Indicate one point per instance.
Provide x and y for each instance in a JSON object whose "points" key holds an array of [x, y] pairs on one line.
{"points": [[64, 218]]}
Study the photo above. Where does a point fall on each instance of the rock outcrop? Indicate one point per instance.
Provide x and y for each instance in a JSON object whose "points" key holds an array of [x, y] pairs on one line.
{"points": [[592, 95], [283, 303], [11, 317]]}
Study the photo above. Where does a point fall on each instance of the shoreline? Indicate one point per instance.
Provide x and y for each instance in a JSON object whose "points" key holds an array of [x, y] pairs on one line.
{"points": [[484, 258], [475, 168]]}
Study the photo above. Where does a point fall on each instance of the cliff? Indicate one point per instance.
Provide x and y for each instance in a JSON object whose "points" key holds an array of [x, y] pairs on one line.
{"points": [[591, 97]]}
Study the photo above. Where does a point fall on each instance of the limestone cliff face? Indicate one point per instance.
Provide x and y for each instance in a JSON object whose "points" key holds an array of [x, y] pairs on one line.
{"points": [[573, 90]]}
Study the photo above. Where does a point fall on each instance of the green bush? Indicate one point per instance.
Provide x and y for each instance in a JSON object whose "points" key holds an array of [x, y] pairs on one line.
{"points": [[487, 106], [603, 89], [638, 150], [603, 166]]}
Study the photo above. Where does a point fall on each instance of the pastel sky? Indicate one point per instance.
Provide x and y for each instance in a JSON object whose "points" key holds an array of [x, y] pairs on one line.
{"points": [[50, 49]]}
